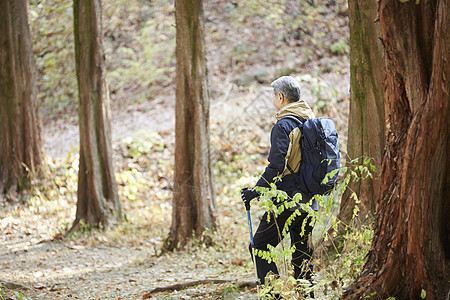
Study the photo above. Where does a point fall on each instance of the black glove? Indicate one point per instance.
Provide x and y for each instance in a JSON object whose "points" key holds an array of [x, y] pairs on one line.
{"points": [[247, 195]]}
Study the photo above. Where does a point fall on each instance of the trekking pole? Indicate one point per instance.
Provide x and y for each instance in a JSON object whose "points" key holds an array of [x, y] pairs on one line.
{"points": [[249, 219]]}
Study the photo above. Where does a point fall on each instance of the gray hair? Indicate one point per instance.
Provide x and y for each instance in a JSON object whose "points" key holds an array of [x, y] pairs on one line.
{"points": [[288, 86]]}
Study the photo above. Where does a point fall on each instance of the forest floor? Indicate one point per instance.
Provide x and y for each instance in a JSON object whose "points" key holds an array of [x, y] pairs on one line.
{"points": [[127, 262]]}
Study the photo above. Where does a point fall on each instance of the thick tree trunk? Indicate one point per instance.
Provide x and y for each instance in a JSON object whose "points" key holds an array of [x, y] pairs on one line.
{"points": [[366, 120], [193, 199], [21, 151], [410, 250], [98, 200]]}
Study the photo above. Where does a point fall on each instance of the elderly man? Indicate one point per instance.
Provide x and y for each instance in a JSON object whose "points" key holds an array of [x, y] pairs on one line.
{"points": [[284, 160]]}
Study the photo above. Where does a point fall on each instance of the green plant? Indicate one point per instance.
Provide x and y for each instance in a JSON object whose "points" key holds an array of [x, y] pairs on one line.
{"points": [[143, 143], [335, 270], [339, 47], [84, 229], [16, 295], [231, 289], [19, 295]]}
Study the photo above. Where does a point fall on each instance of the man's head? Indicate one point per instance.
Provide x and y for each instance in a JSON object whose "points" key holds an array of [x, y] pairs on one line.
{"points": [[286, 90]]}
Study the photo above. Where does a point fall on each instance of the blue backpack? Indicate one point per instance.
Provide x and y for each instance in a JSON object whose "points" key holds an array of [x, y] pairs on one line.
{"points": [[320, 156]]}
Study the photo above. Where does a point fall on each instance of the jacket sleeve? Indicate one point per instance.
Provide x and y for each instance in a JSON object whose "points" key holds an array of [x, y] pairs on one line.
{"points": [[279, 140]]}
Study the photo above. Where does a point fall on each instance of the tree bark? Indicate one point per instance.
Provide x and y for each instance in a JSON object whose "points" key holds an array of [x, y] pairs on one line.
{"points": [[366, 119], [410, 252], [98, 201], [21, 149], [193, 199]]}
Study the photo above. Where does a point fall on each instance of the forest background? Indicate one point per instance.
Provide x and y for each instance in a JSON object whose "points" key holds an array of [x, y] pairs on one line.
{"points": [[248, 44]]}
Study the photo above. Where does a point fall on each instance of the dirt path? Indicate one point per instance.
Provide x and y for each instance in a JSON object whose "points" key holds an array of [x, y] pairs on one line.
{"points": [[55, 270]]}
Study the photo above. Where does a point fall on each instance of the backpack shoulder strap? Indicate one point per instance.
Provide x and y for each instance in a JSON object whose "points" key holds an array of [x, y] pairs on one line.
{"points": [[296, 119]]}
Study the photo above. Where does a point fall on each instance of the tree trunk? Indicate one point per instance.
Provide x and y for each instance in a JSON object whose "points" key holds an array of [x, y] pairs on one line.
{"points": [[366, 119], [21, 150], [193, 199], [98, 201], [410, 253]]}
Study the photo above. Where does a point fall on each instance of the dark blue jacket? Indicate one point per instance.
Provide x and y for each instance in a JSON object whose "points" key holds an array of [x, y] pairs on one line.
{"points": [[285, 149]]}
